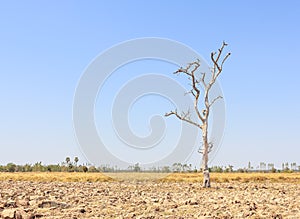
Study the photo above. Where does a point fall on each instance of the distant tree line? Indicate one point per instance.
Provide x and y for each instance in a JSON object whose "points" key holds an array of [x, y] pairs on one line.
{"points": [[270, 167], [72, 166]]}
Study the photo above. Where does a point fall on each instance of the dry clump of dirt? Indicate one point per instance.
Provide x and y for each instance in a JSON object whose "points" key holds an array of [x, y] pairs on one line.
{"points": [[146, 199]]}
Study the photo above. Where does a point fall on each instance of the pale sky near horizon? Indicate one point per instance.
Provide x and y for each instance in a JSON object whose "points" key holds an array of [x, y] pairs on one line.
{"points": [[46, 45]]}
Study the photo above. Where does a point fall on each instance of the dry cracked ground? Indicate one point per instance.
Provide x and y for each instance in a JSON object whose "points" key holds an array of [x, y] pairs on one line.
{"points": [[148, 200]]}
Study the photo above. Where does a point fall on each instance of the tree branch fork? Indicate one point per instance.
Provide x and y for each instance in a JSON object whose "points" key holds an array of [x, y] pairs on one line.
{"points": [[201, 82]]}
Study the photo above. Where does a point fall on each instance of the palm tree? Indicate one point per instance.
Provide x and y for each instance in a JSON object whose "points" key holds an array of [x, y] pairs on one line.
{"points": [[76, 160], [68, 160]]}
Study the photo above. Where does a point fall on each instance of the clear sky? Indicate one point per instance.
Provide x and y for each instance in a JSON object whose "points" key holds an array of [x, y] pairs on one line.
{"points": [[46, 45]]}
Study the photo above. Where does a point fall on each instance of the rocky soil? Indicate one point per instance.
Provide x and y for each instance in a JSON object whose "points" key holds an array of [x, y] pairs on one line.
{"points": [[148, 200]]}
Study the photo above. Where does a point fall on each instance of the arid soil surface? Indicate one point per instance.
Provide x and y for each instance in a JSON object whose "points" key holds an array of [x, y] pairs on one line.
{"points": [[146, 199]]}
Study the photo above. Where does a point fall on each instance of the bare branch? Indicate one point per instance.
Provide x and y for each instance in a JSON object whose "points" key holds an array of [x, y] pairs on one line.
{"points": [[184, 117], [227, 55], [217, 69], [210, 147], [206, 99], [190, 70], [203, 79], [221, 50], [215, 63], [214, 100], [196, 108], [190, 92], [200, 151]]}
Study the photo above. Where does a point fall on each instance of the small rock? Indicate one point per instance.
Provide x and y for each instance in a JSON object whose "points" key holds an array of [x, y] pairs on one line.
{"points": [[52, 204], [35, 216], [22, 202], [193, 201], [82, 210], [277, 216], [10, 203], [20, 214], [8, 214], [253, 207], [33, 202]]}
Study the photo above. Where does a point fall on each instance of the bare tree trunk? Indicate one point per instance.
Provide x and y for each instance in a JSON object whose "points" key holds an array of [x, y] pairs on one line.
{"points": [[202, 121], [206, 177]]}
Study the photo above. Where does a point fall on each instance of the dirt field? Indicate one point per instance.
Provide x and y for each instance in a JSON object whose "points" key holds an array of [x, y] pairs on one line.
{"points": [[177, 196]]}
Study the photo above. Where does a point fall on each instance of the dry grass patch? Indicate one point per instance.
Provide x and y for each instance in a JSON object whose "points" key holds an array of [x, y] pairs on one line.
{"points": [[161, 177], [239, 177], [55, 177]]}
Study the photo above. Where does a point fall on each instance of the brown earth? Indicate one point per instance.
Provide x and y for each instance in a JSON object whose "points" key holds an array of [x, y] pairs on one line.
{"points": [[148, 199]]}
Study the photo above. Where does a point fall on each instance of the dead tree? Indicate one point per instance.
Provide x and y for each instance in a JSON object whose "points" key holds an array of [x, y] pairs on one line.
{"points": [[202, 82]]}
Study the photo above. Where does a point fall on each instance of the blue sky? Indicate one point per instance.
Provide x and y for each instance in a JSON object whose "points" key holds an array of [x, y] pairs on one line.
{"points": [[45, 47]]}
